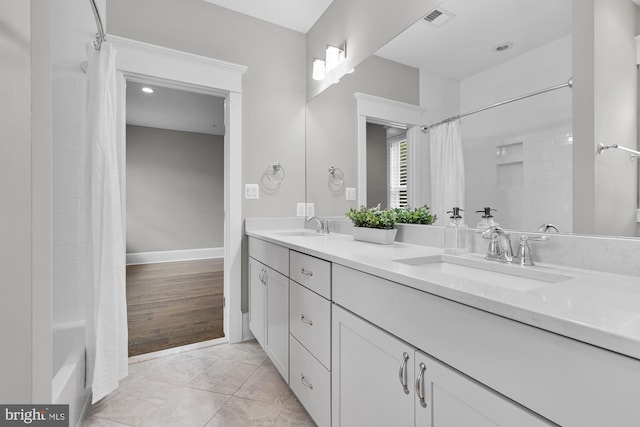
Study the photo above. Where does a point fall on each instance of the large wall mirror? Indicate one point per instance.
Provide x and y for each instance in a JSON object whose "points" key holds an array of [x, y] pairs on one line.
{"points": [[533, 160]]}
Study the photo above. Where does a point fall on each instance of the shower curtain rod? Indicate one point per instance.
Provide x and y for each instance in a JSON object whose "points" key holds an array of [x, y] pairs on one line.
{"points": [[569, 84], [100, 35]]}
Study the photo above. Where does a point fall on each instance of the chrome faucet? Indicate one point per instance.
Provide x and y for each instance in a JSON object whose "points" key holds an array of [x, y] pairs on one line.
{"points": [[322, 225], [500, 247]]}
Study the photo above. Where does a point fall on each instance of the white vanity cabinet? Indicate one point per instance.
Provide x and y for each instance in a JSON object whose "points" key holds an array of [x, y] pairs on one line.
{"points": [[490, 367], [269, 301], [257, 300], [362, 350], [447, 398], [310, 335], [379, 380], [372, 375]]}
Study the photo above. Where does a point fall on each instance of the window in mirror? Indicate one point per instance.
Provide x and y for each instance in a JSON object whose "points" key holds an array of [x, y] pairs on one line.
{"points": [[397, 171]]}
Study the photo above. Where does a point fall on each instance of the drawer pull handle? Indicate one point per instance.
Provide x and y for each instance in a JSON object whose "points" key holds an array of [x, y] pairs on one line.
{"points": [[306, 272], [420, 385], [305, 383], [403, 373], [305, 321]]}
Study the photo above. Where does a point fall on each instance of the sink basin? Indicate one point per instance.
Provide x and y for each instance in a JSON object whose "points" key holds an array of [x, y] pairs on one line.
{"points": [[300, 234], [486, 272]]}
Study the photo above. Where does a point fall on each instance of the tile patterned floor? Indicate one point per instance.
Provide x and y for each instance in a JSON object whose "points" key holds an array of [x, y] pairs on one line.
{"points": [[227, 385]]}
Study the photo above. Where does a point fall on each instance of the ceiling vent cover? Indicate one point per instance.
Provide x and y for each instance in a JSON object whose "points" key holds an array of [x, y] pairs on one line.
{"points": [[433, 15], [438, 17]]}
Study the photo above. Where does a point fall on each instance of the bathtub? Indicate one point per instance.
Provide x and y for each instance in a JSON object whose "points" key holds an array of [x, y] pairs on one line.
{"points": [[68, 384]]}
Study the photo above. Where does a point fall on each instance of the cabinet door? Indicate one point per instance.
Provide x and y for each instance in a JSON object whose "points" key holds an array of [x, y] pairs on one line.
{"points": [[277, 330], [446, 398], [257, 303], [372, 375]]}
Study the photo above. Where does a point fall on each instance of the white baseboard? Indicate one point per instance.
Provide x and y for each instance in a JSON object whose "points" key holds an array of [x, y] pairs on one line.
{"points": [[170, 256], [246, 332]]}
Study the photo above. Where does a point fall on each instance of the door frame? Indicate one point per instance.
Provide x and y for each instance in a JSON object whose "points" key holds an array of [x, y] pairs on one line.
{"points": [[382, 111], [139, 61]]}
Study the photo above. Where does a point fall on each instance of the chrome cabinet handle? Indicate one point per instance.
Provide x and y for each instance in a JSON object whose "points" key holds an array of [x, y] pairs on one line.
{"points": [[265, 278], [261, 276], [420, 385], [403, 372], [305, 383], [306, 272], [305, 321]]}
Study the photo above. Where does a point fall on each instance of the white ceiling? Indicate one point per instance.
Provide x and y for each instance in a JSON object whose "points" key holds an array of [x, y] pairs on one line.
{"points": [[174, 109], [464, 46], [298, 15]]}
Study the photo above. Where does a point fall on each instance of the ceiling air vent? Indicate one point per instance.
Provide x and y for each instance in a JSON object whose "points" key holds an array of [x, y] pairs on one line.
{"points": [[437, 17], [433, 16]]}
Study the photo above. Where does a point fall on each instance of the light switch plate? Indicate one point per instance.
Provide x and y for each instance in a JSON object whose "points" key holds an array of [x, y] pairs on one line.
{"points": [[301, 209], [311, 210], [251, 191], [350, 193]]}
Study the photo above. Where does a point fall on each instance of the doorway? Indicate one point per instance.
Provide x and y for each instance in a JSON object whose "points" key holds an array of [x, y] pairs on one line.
{"points": [[180, 70], [174, 216]]}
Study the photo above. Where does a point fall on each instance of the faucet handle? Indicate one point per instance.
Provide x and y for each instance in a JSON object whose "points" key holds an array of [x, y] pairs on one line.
{"points": [[524, 252], [524, 256]]}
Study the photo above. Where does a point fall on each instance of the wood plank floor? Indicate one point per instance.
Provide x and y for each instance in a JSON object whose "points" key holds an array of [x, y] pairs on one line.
{"points": [[171, 304]]}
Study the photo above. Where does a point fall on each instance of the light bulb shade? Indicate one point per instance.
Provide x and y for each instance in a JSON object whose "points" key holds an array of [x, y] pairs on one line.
{"points": [[334, 55], [318, 72]]}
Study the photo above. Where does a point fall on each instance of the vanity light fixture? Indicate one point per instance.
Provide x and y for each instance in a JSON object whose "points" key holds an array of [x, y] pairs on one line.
{"points": [[318, 72], [147, 89], [333, 57]]}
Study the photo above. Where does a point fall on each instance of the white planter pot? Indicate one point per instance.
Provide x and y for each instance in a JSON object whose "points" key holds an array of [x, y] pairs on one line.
{"points": [[374, 235]]}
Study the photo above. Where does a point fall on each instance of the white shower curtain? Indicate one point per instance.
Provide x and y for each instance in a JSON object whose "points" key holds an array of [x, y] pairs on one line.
{"points": [[447, 169], [107, 316]]}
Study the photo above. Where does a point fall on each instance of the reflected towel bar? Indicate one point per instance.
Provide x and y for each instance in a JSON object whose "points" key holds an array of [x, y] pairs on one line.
{"points": [[634, 154]]}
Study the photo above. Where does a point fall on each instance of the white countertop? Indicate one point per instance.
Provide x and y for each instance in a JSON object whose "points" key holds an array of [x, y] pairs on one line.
{"points": [[602, 309]]}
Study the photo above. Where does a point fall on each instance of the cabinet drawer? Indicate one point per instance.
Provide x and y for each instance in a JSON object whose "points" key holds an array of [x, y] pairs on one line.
{"points": [[276, 257], [312, 273], [310, 322], [311, 383]]}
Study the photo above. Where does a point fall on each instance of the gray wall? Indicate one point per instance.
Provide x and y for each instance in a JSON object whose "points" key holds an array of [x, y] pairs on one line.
{"points": [[332, 134], [273, 87], [15, 187], [604, 111], [376, 165], [175, 190]]}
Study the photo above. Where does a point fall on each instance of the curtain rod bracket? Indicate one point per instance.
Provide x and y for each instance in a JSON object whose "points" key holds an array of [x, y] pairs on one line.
{"points": [[101, 37], [634, 155]]}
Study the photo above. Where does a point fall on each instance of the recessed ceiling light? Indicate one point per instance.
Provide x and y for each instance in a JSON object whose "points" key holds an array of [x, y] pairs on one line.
{"points": [[147, 89], [502, 47]]}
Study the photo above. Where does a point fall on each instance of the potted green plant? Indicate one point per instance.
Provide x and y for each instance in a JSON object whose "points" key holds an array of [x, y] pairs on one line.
{"points": [[409, 215], [373, 224]]}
